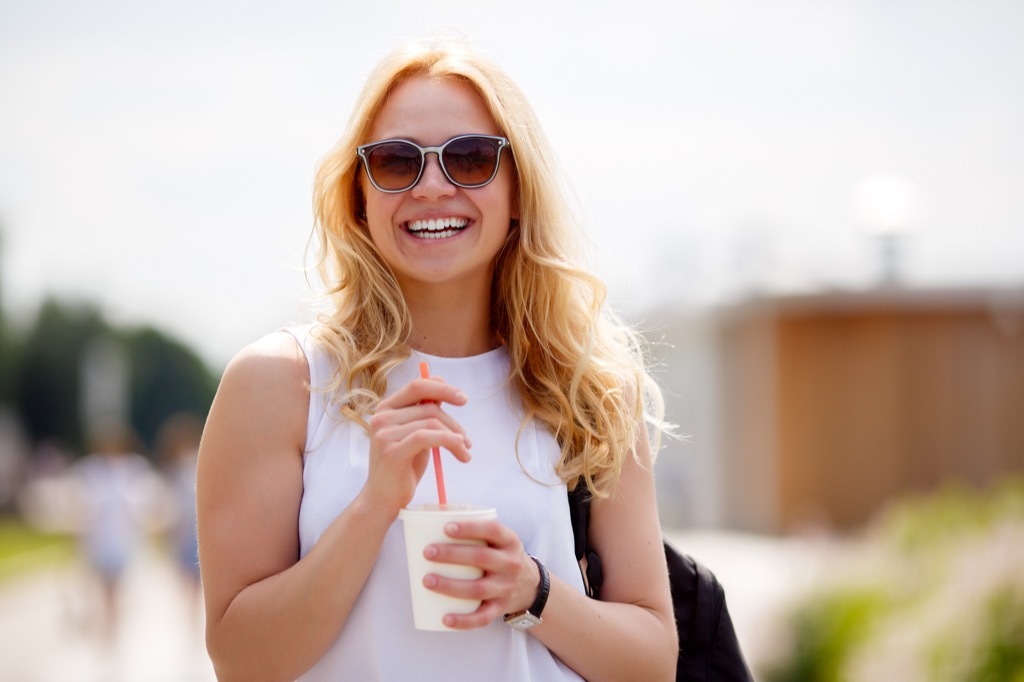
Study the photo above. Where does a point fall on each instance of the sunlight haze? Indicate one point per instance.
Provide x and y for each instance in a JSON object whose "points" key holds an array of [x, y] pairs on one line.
{"points": [[157, 160]]}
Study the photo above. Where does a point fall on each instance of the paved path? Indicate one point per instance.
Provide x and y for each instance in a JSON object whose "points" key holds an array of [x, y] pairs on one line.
{"points": [[47, 634]]}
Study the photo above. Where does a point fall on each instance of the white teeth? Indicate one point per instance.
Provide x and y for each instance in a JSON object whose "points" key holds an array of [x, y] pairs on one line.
{"points": [[440, 228], [444, 234]]}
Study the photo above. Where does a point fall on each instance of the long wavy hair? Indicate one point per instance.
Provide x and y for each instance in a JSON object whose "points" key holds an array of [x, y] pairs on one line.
{"points": [[576, 368]]}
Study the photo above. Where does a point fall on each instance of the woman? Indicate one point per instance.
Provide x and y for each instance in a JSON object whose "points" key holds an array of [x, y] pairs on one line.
{"points": [[457, 254]]}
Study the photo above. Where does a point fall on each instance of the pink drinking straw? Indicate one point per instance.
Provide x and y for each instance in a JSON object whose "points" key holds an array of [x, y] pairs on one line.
{"points": [[441, 497]]}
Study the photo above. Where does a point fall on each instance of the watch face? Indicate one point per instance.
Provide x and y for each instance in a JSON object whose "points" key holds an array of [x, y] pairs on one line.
{"points": [[524, 621]]}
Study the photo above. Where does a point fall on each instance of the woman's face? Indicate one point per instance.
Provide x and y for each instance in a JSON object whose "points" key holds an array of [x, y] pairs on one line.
{"points": [[430, 112]]}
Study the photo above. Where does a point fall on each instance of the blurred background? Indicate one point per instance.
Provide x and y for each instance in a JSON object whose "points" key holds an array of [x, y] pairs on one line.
{"points": [[814, 210]]}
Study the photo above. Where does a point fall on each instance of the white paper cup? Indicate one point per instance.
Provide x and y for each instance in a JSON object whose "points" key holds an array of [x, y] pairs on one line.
{"points": [[424, 525]]}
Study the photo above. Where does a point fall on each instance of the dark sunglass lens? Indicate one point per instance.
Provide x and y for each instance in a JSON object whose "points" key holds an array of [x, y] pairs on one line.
{"points": [[471, 160], [394, 165]]}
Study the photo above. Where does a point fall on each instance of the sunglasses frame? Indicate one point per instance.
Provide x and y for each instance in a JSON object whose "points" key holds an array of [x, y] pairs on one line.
{"points": [[364, 151]]}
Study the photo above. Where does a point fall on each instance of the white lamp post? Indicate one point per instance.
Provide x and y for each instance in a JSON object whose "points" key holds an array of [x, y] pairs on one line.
{"points": [[887, 205]]}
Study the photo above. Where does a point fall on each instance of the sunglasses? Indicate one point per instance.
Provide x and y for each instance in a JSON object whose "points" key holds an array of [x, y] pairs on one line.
{"points": [[467, 161]]}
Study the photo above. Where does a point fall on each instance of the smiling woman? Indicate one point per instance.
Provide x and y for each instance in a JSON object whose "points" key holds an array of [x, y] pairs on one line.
{"points": [[444, 238], [467, 186]]}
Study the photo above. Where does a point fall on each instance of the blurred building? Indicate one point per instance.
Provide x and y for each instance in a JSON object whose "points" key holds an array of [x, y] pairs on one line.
{"points": [[817, 410]]}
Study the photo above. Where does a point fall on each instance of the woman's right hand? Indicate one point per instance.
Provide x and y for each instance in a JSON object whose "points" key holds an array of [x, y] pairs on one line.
{"points": [[405, 426]]}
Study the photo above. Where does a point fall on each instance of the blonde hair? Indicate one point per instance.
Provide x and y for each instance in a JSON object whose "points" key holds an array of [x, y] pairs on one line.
{"points": [[576, 369]]}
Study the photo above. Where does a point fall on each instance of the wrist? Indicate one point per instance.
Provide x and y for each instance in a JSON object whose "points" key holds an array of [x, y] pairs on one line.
{"points": [[373, 512], [527, 618]]}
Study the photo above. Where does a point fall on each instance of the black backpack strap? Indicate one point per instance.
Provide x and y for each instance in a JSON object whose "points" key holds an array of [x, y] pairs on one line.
{"points": [[579, 516]]}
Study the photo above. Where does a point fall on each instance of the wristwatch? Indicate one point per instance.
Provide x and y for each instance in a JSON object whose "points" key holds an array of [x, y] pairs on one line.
{"points": [[524, 620]]}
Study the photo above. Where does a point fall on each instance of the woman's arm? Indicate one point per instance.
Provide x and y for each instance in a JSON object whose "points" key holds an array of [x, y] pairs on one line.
{"points": [[630, 634], [269, 615]]}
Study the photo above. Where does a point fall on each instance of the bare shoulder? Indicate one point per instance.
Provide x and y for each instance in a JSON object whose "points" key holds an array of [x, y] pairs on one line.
{"points": [[264, 392], [276, 357]]}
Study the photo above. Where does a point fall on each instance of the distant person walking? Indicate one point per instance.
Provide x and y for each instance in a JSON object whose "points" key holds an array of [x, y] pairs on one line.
{"points": [[114, 504], [177, 447]]}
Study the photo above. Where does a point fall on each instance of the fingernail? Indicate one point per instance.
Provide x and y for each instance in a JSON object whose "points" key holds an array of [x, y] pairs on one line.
{"points": [[461, 396], [467, 442], [430, 551], [451, 528], [430, 580]]}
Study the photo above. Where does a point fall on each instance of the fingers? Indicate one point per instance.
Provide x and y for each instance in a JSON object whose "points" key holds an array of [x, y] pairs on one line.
{"points": [[417, 428], [489, 590], [493, 533], [509, 581], [415, 438], [417, 406], [425, 390], [403, 429], [500, 554]]}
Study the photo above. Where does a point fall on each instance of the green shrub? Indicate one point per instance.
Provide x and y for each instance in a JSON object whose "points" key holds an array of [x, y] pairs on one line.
{"points": [[1000, 651], [934, 593], [825, 629], [955, 511]]}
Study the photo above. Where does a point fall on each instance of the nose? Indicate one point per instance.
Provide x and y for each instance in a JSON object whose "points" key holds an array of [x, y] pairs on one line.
{"points": [[433, 182]]}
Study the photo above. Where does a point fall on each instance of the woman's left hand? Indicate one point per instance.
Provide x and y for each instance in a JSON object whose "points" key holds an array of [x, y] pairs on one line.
{"points": [[510, 577]]}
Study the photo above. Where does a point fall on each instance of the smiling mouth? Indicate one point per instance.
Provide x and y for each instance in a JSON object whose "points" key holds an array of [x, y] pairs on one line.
{"points": [[440, 228]]}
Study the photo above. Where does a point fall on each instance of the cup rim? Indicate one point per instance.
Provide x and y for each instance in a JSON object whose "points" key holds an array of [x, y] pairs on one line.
{"points": [[433, 508]]}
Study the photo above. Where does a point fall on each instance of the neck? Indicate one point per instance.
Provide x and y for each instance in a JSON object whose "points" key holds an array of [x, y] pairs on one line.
{"points": [[451, 321]]}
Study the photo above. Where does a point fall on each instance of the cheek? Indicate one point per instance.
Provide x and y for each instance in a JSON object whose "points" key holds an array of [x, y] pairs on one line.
{"points": [[378, 206], [377, 229], [378, 221]]}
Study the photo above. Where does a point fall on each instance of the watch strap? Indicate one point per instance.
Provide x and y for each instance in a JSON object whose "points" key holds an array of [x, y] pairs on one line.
{"points": [[542, 590]]}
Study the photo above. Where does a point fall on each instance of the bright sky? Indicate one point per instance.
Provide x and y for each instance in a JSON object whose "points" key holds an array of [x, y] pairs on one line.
{"points": [[157, 158]]}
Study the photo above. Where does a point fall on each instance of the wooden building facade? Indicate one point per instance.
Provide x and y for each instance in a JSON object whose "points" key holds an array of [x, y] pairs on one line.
{"points": [[829, 406]]}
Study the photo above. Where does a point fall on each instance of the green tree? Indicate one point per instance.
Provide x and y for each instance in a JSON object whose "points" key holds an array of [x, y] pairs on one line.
{"points": [[164, 377], [7, 347], [8, 363], [167, 378], [47, 385]]}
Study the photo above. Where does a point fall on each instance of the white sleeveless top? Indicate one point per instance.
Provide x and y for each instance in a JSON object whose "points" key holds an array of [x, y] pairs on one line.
{"points": [[379, 641]]}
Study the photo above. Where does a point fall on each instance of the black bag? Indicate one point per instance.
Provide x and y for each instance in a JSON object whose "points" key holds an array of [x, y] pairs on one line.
{"points": [[708, 647]]}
